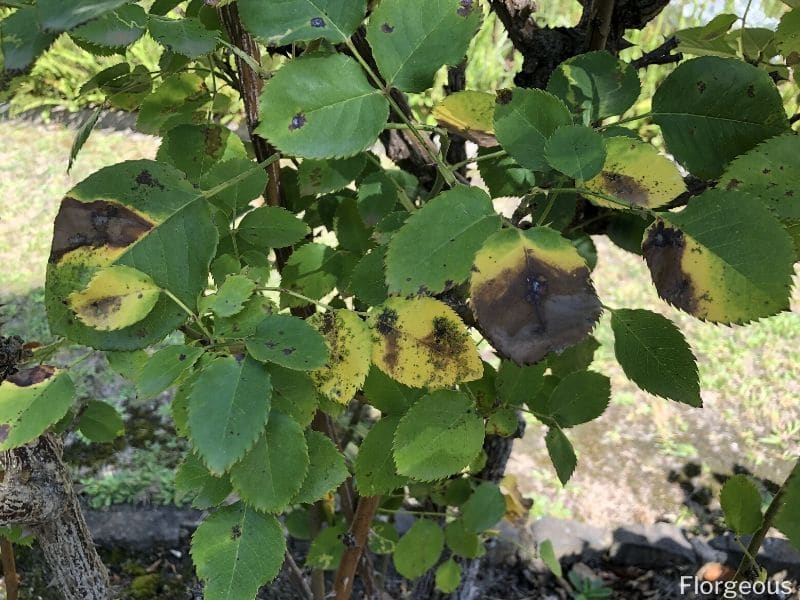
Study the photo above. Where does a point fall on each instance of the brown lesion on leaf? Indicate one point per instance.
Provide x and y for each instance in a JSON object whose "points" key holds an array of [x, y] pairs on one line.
{"points": [[386, 325], [102, 309], [32, 376], [95, 224], [465, 7], [236, 532], [386, 28], [504, 96], [663, 250], [536, 308], [297, 121], [145, 178], [5, 429], [213, 140], [625, 187]]}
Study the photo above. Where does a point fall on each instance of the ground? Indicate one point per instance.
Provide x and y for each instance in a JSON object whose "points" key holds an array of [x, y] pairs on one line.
{"points": [[750, 376]]}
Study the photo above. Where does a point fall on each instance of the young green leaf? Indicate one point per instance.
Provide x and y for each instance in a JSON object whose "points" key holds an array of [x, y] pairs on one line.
{"points": [[289, 342], [438, 436], [186, 36], [654, 354], [327, 548], [578, 152], [447, 231], [164, 368], [561, 454], [406, 38], [194, 482], [422, 343], [532, 294], [31, 401], [349, 354], [741, 504], [635, 174], [273, 471], [419, 549], [116, 297], [322, 107], [289, 21], [23, 38], [524, 119], [100, 422], [548, 556], [713, 109], [448, 576], [228, 408], [82, 135], [375, 472], [579, 398], [368, 281], [708, 259], [236, 550], [326, 471], [596, 84], [230, 298], [383, 538], [484, 509]]}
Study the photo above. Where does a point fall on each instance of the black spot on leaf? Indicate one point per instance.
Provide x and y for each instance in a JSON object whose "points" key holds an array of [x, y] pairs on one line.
{"points": [[146, 179], [297, 121], [29, 377], [504, 96], [386, 28], [236, 532], [663, 250], [318, 22], [465, 7]]}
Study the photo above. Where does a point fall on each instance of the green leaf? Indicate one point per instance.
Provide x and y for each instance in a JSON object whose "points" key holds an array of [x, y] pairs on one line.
{"points": [[139, 214], [280, 23], [741, 504], [532, 293], [423, 343], [504, 176], [116, 297], [368, 281], [116, 29], [575, 358], [82, 135], [194, 482], [179, 99], [579, 398], [448, 231], [23, 39], [596, 84], [351, 231], [236, 550], [293, 394], [438, 436], [548, 556], [127, 364], [325, 176], [230, 298], [412, 39], [469, 114], [326, 471], [271, 227], [788, 517], [448, 576], [195, 149], [484, 509], [228, 408], [187, 36], [517, 384], [289, 342], [387, 395], [164, 368], [694, 40], [708, 259], [713, 109], [30, 402], [100, 422], [461, 541], [787, 36], [383, 537], [524, 120], [377, 197], [234, 200], [322, 107], [419, 549], [635, 173], [243, 324], [375, 472], [310, 271], [60, 15], [561, 454], [327, 548], [654, 354], [272, 473], [502, 422], [578, 152]]}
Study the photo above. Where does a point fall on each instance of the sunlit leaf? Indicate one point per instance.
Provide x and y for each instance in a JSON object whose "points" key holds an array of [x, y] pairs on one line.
{"points": [[470, 114], [284, 22]]}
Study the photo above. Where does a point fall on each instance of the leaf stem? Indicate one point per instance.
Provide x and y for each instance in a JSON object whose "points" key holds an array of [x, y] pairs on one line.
{"points": [[741, 31], [627, 120], [391, 511], [189, 312], [477, 159], [302, 297]]}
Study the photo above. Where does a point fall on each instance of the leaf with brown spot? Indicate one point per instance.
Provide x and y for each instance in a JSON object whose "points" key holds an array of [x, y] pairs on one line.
{"points": [[531, 294], [30, 402], [469, 114], [422, 343]]}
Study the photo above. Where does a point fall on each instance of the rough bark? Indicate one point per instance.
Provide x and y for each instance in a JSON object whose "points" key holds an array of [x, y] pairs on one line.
{"points": [[36, 492]]}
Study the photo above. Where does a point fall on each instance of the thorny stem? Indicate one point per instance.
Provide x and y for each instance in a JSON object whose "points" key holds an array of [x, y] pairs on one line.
{"points": [[189, 312]]}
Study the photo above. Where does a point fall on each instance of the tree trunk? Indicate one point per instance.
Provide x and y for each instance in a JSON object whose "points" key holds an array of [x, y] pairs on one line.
{"points": [[36, 492]]}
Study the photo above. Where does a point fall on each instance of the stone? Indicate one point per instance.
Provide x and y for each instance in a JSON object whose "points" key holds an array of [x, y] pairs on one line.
{"points": [[776, 554], [141, 528], [651, 546], [571, 540]]}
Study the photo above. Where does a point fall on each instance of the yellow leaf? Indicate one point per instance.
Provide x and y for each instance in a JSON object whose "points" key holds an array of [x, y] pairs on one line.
{"points": [[635, 173], [469, 114], [350, 348], [116, 297], [421, 342]]}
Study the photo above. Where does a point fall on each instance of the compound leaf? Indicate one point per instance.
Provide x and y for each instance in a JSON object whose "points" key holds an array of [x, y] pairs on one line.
{"points": [[282, 22]]}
